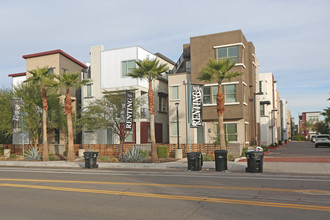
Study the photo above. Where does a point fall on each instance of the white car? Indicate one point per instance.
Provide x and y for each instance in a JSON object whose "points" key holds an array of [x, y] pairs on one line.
{"points": [[322, 139]]}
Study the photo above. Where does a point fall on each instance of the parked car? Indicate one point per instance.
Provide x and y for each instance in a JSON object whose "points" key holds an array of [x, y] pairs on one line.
{"points": [[313, 138], [322, 140]]}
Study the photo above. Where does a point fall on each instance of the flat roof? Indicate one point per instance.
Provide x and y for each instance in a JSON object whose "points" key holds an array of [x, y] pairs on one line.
{"points": [[55, 52], [17, 74]]}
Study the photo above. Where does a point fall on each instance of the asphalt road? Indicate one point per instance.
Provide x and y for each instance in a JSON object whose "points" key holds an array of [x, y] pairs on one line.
{"points": [[34, 193], [300, 149]]}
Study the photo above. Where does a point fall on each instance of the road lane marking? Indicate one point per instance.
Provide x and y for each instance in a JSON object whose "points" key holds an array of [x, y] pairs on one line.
{"points": [[175, 197], [255, 176], [306, 191]]}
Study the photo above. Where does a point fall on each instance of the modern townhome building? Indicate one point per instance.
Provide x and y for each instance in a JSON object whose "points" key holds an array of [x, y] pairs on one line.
{"points": [[241, 117], [60, 62], [283, 120], [268, 116], [311, 118], [109, 71]]}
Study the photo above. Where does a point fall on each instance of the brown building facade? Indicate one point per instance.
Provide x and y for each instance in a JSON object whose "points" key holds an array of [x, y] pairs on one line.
{"points": [[241, 112]]}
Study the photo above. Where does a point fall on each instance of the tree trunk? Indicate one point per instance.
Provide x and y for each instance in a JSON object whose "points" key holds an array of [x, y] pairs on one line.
{"points": [[154, 156], [68, 112], [44, 136], [44, 124], [221, 111]]}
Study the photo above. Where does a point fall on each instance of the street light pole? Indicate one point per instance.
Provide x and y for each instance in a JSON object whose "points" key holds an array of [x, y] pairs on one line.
{"points": [[177, 123], [255, 117]]}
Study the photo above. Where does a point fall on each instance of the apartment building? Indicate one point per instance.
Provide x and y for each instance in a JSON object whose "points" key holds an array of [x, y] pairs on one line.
{"points": [[109, 70], [241, 117], [268, 116], [59, 62]]}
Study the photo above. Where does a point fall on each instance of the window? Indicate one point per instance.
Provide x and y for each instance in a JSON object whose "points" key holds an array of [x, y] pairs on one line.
{"points": [[129, 137], [207, 95], [262, 109], [87, 73], [228, 52], [89, 90], [162, 103], [260, 86], [109, 136], [212, 91], [64, 70], [231, 132], [230, 93], [188, 66], [127, 67], [174, 128], [175, 92]]}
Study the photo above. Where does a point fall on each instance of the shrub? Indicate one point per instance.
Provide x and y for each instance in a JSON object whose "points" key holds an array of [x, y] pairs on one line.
{"points": [[280, 143], [300, 138], [162, 151], [134, 155], [13, 156], [264, 148], [230, 157], [32, 154], [52, 158], [1, 150], [207, 157], [244, 150]]}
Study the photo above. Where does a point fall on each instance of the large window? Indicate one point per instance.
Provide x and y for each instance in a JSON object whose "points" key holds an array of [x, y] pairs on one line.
{"points": [[210, 94], [162, 103], [230, 131], [228, 52], [129, 137], [89, 90], [262, 109], [175, 92], [174, 128], [127, 67]]}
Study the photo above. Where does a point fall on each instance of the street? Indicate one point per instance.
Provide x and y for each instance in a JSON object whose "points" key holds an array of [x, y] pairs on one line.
{"points": [[39, 193]]}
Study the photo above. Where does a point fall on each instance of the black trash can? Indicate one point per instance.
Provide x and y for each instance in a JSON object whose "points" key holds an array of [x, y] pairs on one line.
{"points": [[195, 161], [220, 160], [90, 159], [255, 160]]}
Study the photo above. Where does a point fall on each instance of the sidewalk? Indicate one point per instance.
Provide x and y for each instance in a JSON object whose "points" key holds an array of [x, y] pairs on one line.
{"points": [[268, 167]]}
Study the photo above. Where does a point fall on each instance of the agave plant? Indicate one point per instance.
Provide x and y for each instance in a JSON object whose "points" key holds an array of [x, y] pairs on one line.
{"points": [[134, 155], [32, 154]]}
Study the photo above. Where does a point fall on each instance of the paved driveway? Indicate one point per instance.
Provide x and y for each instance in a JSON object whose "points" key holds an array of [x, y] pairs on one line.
{"points": [[299, 149]]}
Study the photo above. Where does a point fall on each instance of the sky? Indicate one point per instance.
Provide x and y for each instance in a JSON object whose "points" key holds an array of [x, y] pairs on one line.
{"points": [[291, 37]]}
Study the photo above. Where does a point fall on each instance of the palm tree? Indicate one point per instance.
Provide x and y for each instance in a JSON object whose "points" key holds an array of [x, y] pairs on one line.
{"points": [[150, 70], [218, 70], [67, 81], [44, 77]]}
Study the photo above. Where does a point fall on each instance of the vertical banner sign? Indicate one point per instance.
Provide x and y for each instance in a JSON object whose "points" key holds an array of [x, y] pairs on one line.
{"points": [[196, 106], [128, 111], [16, 112]]}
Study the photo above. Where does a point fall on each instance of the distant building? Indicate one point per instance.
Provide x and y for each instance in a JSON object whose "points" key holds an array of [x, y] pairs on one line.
{"points": [[268, 116], [17, 78], [308, 117]]}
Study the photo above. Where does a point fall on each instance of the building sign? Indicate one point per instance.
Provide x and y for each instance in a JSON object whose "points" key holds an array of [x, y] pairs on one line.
{"points": [[196, 106], [16, 112], [128, 111]]}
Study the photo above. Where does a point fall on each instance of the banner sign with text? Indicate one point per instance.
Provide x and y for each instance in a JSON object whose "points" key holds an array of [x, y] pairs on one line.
{"points": [[196, 106], [16, 112], [129, 111]]}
